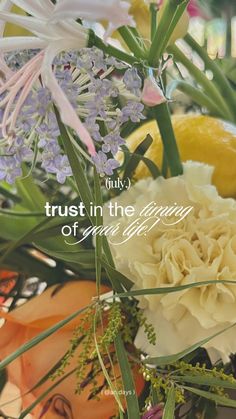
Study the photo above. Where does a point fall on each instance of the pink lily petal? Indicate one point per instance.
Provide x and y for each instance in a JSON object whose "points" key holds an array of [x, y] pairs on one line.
{"points": [[24, 80], [67, 112], [37, 8], [16, 76], [152, 94], [5, 6], [21, 42], [35, 25], [114, 11]]}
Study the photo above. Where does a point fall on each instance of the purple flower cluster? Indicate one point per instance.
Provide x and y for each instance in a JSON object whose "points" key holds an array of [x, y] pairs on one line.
{"points": [[88, 80], [53, 161]]}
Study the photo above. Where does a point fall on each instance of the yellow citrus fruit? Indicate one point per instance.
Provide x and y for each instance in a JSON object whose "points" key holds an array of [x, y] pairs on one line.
{"points": [[200, 138]]}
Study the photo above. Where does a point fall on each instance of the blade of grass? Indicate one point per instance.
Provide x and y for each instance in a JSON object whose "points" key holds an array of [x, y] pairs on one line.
{"points": [[167, 290], [77, 169], [169, 409], [219, 400], [205, 381], [137, 156], [165, 360], [99, 222], [40, 337], [117, 276], [127, 378]]}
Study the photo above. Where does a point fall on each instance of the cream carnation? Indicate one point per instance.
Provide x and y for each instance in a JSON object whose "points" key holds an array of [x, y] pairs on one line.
{"points": [[202, 247]]}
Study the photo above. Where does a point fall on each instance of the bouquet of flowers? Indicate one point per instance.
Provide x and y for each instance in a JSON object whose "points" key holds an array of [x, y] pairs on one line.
{"points": [[118, 213]]}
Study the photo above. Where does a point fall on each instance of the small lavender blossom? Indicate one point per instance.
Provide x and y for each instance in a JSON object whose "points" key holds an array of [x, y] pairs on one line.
{"points": [[133, 111], [19, 149], [111, 61], [61, 167], [98, 59], [46, 133], [51, 150], [103, 88], [17, 59], [132, 81], [112, 142], [93, 128], [70, 89], [104, 165], [43, 100], [10, 169], [97, 108]]}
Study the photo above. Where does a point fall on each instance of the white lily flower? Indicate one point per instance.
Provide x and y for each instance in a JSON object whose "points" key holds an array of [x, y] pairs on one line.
{"points": [[115, 12], [51, 39]]}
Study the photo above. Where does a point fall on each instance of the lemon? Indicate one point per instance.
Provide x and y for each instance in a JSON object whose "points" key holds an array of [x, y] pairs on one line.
{"points": [[200, 138]]}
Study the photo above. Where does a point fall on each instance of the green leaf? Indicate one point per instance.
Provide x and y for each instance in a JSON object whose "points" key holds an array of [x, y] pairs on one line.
{"points": [[210, 89], [117, 277], [165, 360], [30, 194], [78, 257], [99, 222], [219, 400], [22, 240], [169, 410], [77, 169], [40, 337], [196, 95], [127, 378], [137, 156], [8, 194], [168, 290], [205, 381]]}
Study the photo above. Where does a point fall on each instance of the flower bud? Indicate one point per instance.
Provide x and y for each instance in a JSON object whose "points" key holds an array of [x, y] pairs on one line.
{"points": [[152, 95]]}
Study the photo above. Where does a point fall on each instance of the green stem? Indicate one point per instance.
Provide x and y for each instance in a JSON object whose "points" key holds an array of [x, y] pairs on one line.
{"points": [[139, 38], [164, 168], [219, 77], [162, 116], [171, 15], [153, 13], [131, 42], [176, 18], [197, 95], [201, 78], [110, 50]]}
